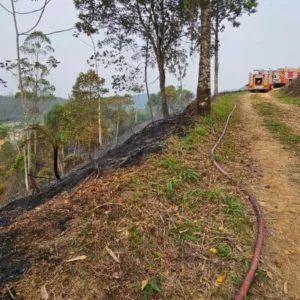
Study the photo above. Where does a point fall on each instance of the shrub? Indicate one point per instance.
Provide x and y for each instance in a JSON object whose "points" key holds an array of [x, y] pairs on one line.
{"points": [[45, 172], [72, 161]]}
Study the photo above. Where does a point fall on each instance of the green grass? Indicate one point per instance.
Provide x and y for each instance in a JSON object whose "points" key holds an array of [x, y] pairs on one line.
{"points": [[233, 206], [287, 99], [284, 134], [135, 237], [223, 251], [224, 105], [280, 130], [187, 231], [268, 110], [152, 287]]}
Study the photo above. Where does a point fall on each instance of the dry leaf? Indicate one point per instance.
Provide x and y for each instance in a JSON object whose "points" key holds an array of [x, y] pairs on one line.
{"points": [[44, 293], [221, 278], [285, 290], [213, 250], [239, 248], [151, 269], [81, 257], [144, 283], [112, 254]]}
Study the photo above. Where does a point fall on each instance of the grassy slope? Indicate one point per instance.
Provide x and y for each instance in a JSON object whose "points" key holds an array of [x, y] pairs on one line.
{"points": [[175, 225], [271, 113], [286, 99]]}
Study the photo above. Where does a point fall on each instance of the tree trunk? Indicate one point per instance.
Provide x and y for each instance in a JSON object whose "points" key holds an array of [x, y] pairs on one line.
{"points": [[181, 99], [216, 79], [100, 122], [162, 85], [55, 161], [203, 90], [22, 92], [169, 105], [35, 142], [25, 169], [136, 116], [29, 150], [146, 81], [61, 161], [99, 100], [117, 129]]}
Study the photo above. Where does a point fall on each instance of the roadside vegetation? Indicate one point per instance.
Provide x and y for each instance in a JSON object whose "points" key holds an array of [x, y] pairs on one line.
{"points": [[286, 99], [272, 120], [289, 94], [171, 228]]}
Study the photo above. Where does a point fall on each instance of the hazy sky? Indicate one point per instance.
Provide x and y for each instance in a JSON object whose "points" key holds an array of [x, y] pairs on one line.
{"points": [[267, 39]]}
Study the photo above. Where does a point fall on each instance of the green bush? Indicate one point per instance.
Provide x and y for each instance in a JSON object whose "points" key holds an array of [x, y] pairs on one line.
{"points": [[72, 161], [45, 172]]}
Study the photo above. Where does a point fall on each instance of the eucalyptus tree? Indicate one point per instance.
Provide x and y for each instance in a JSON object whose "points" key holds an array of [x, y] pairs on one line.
{"points": [[125, 25], [226, 10], [37, 51], [18, 34], [117, 112], [36, 65], [82, 111], [203, 99]]}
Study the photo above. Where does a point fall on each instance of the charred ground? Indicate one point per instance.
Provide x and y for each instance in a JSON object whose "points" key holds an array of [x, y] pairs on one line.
{"points": [[177, 228]]}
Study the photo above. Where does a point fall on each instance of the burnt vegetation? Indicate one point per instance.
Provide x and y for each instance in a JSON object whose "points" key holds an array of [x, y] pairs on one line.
{"points": [[127, 190]]}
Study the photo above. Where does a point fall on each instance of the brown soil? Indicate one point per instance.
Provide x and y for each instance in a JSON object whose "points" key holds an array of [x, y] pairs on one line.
{"points": [[279, 196]]}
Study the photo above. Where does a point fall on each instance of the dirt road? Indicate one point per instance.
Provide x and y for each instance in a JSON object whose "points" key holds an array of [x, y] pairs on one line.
{"points": [[278, 194]]}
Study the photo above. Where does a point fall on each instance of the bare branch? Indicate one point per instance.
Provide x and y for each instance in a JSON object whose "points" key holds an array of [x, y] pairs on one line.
{"points": [[6, 8], [39, 19], [84, 42], [153, 81], [32, 11], [59, 31]]}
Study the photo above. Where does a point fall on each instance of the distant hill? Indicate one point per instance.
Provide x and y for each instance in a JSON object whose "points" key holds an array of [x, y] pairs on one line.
{"points": [[11, 109], [243, 88]]}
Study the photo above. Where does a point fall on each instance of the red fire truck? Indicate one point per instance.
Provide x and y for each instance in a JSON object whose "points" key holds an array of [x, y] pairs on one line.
{"points": [[260, 81], [284, 76]]}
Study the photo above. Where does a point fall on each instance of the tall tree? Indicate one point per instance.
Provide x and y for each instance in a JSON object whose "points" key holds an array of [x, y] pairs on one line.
{"points": [[146, 79], [117, 113], [83, 112], [18, 34], [137, 90], [229, 10], [171, 95], [203, 99], [101, 91], [37, 66], [122, 22]]}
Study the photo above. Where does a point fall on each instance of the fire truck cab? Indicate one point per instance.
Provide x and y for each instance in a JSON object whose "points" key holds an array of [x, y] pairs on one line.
{"points": [[260, 81]]}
